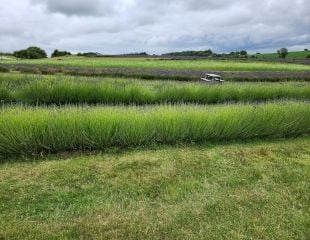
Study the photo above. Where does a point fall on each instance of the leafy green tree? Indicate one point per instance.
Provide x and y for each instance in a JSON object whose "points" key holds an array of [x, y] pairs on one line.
{"points": [[282, 53], [243, 53], [57, 53], [31, 53]]}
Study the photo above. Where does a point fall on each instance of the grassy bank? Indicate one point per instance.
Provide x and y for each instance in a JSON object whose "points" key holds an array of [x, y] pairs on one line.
{"points": [[291, 55], [239, 191], [157, 63], [26, 131], [63, 90]]}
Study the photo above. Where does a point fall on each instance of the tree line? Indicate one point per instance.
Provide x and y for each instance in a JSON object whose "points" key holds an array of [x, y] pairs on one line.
{"points": [[37, 53]]}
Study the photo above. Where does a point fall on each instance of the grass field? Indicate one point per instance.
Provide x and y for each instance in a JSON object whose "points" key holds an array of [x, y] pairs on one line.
{"points": [[123, 158], [33, 89], [156, 63], [291, 55], [31, 131], [239, 191]]}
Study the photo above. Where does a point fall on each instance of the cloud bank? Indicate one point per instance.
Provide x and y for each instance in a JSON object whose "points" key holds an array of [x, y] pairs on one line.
{"points": [[155, 26]]}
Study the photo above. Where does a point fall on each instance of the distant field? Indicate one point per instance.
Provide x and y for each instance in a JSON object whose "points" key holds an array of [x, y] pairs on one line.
{"points": [[240, 191], [7, 58], [156, 63], [291, 55]]}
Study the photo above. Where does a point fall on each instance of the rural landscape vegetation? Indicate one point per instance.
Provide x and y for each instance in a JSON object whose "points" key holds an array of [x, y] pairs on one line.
{"points": [[139, 145]]}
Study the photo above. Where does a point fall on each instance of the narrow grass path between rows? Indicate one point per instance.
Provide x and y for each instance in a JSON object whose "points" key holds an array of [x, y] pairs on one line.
{"points": [[254, 190]]}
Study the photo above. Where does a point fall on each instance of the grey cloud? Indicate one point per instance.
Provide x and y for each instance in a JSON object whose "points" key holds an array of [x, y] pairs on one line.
{"points": [[207, 4], [155, 26], [79, 7]]}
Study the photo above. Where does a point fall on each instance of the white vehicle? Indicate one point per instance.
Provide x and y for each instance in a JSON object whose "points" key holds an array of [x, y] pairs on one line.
{"points": [[212, 78]]}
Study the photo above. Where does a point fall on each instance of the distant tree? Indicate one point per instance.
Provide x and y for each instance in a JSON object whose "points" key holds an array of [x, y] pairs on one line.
{"points": [[282, 53], [135, 54], [243, 53], [90, 54], [257, 54], [306, 49], [205, 53], [143, 54], [57, 53], [31, 53], [209, 52]]}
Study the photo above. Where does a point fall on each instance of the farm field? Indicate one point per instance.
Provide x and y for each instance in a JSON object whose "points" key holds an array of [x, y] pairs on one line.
{"points": [[256, 190], [291, 55], [92, 157], [35, 89], [148, 120], [162, 63]]}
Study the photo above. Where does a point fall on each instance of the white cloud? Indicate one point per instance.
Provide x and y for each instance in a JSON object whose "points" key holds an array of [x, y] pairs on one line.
{"points": [[156, 26]]}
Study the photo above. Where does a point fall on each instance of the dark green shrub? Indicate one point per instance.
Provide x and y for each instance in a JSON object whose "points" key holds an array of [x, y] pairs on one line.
{"points": [[57, 53], [282, 53], [31, 53]]}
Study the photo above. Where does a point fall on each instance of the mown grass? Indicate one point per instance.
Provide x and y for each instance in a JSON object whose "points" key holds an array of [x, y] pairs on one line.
{"points": [[28, 131], [239, 191], [64, 90], [156, 63]]}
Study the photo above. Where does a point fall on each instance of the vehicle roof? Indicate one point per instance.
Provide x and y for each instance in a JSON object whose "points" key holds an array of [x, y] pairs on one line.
{"points": [[212, 75]]}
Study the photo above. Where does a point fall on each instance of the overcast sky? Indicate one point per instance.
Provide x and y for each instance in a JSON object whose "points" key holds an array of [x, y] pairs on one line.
{"points": [[155, 26]]}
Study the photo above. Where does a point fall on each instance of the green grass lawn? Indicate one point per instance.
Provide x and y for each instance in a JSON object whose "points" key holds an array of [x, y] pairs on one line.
{"points": [[211, 65], [238, 191]]}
